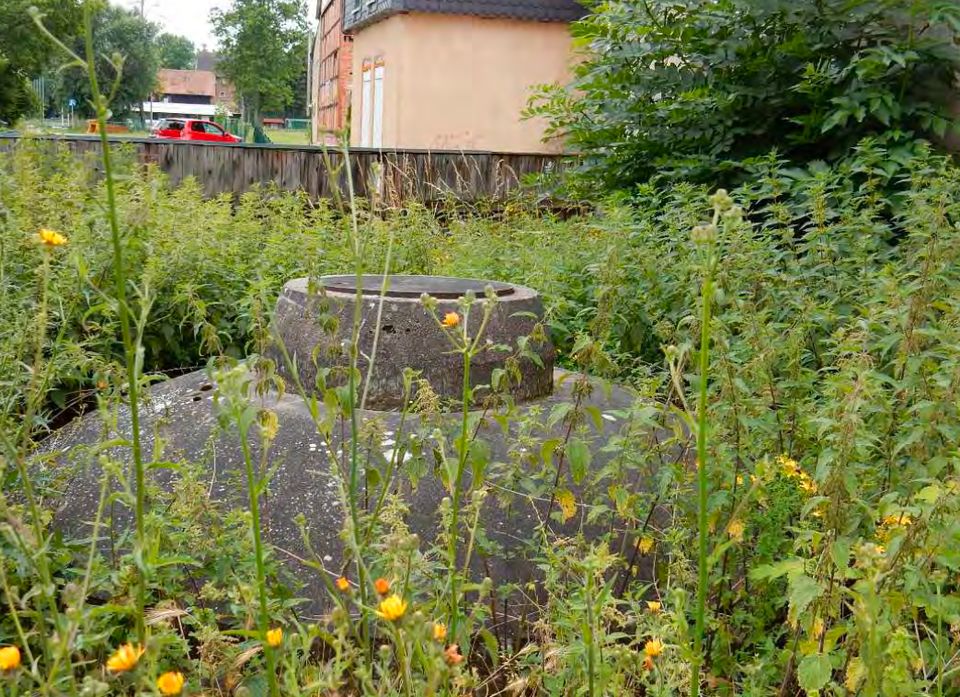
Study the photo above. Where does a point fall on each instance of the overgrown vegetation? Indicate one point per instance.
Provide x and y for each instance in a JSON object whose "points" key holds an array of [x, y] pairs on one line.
{"points": [[832, 427], [689, 90], [800, 334]]}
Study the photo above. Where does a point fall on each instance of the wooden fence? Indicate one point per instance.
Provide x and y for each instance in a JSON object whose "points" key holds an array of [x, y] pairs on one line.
{"points": [[391, 176]]}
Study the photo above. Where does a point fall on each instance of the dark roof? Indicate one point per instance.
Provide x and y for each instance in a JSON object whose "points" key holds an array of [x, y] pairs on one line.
{"points": [[358, 13]]}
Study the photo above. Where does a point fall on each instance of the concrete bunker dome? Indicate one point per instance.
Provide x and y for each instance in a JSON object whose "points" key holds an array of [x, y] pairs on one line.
{"points": [[181, 414], [315, 327]]}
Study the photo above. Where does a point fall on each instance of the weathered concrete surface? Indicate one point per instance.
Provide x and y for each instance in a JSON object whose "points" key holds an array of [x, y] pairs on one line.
{"points": [[181, 413], [315, 329]]}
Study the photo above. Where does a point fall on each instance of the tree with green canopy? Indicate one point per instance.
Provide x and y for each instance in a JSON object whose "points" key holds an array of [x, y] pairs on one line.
{"points": [[690, 89], [262, 51], [176, 52], [25, 53], [123, 39]]}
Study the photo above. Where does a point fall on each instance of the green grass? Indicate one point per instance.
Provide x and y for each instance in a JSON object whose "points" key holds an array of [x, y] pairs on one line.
{"points": [[288, 136]]}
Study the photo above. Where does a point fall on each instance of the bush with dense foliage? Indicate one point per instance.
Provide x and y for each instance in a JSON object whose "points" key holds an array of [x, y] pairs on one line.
{"points": [[688, 90], [834, 481], [25, 54]]}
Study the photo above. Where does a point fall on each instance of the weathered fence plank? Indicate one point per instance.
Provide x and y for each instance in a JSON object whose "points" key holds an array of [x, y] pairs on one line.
{"points": [[391, 176]]}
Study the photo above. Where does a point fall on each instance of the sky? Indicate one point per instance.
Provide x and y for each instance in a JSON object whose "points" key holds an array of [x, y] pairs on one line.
{"points": [[189, 18]]}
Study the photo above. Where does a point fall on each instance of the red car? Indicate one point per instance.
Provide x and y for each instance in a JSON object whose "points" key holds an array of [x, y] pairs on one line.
{"points": [[194, 129]]}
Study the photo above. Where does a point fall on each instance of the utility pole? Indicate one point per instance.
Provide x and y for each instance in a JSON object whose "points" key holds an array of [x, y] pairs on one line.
{"points": [[143, 123]]}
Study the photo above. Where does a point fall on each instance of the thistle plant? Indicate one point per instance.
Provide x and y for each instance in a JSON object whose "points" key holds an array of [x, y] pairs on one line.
{"points": [[705, 238], [235, 409], [456, 328], [131, 340]]}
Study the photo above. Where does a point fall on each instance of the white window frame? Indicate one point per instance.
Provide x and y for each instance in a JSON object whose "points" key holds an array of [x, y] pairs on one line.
{"points": [[366, 104], [376, 137]]}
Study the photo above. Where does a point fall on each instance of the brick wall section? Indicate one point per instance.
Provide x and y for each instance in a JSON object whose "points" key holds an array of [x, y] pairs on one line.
{"points": [[344, 82], [332, 74]]}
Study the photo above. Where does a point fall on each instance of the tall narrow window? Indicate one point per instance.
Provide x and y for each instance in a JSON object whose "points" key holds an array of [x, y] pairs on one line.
{"points": [[366, 106], [377, 136]]}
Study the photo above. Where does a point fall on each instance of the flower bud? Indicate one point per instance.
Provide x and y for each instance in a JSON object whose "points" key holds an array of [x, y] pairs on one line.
{"points": [[735, 214], [721, 200], [704, 234], [428, 301]]}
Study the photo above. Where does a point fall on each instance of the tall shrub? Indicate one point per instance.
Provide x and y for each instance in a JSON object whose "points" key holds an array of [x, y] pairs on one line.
{"points": [[685, 89]]}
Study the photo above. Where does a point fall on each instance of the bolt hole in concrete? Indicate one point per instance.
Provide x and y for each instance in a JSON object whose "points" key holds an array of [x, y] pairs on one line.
{"points": [[197, 398], [388, 329], [206, 387]]}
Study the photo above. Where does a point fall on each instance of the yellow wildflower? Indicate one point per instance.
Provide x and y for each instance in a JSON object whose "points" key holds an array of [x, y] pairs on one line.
{"points": [[735, 530], [382, 586], [274, 637], [439, 631], [125, 658], [788, 465], [170, 683], [654, 606], [9, 658], [451, 320], [653, 648], [645, 544], [51, 238], [807, 484], [392, 608], [902, 519], [343, 584], [568, 504]]}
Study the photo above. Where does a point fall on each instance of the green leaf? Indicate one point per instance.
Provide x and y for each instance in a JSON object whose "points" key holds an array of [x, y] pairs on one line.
{"points": [[547, 448], [814, 672], [840, 552], [479, 459], [803, 591], [837, 118], [768, 572], [578, 453], [493, 648], [596, 416]]}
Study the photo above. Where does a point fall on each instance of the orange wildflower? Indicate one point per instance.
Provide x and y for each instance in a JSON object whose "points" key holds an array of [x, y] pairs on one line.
{"points": [[125, 658], [274, 637], [9, 658], [452, 655], [51, 238], [392, 608], [170, 683]]}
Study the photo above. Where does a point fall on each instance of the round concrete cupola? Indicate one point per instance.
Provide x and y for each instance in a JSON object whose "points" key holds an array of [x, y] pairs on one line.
{"points": [[181, 419], [401, 333]]}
